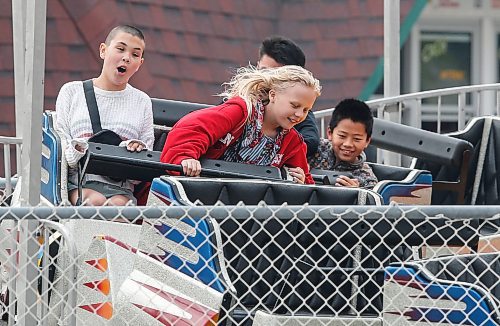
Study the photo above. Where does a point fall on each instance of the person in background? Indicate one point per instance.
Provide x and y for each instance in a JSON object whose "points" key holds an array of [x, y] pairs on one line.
{"points": [[277, 51], [349, 134], [254, 126]]}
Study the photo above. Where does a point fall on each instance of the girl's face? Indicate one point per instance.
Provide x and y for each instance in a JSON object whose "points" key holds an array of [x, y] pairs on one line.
{"points": [[289, 106]]}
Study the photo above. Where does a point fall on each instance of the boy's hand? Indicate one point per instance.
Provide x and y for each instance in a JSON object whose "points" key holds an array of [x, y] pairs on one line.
{"points": [[79, 148], [297, 174], [80, 144], [135, 146], [345, 181], [191, 167]]}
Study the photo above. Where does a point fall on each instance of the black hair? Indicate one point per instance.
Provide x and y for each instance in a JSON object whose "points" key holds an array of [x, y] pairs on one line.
{"points": [[129, 29], [284, 51], [355, 110]]}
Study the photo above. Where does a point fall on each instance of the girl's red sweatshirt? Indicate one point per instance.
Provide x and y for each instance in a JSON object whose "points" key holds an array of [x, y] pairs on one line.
{"points": [[209, 132]]}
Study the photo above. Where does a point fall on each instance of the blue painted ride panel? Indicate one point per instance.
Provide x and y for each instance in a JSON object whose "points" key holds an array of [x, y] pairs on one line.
{"points": [[51, 190], [164, 192], [206, 269], [476, 312], [397, 189], [203, 242]]}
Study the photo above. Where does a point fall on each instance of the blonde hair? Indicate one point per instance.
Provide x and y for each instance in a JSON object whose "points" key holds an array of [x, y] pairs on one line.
{"points": [[252, 84]]}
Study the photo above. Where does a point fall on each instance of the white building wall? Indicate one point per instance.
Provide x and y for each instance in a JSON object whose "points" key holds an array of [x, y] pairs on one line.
{"points": [[478, 18]]}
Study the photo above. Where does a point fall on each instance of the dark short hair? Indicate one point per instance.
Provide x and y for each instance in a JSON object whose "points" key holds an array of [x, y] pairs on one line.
{"points": [[129, 29], [283, 50], [355, 110]]}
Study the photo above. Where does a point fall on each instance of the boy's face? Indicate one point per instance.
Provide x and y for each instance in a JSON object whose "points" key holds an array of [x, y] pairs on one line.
{"points": [[122, 58], [348, 139], [289, 106]]}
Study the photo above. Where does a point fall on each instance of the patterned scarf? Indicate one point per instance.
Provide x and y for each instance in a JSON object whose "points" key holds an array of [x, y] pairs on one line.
{"points": [[253, 147]]}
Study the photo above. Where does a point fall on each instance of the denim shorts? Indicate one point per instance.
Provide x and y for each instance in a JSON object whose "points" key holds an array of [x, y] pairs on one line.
{"points": [[107, 190]]}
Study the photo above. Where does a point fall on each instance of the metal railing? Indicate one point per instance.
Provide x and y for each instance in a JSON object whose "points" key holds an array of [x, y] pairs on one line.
{"points": [[469, 101], [8, 143]]}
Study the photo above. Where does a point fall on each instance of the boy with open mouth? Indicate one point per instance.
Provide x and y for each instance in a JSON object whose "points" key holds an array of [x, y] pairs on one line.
{"points": [[122, 109]]}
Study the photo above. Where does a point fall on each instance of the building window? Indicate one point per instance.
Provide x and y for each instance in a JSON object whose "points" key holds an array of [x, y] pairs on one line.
{"points": [[445, 61]]}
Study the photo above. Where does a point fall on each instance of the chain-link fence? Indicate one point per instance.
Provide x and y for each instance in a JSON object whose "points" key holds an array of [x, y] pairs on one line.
{"points": [[250, 265]]}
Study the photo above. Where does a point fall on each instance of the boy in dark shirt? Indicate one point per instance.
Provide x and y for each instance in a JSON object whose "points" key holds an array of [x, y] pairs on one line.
{"points": [[349, 134]]}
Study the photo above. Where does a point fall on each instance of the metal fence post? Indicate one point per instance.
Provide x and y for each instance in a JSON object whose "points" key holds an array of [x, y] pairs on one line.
{"points": [[27, 279]]}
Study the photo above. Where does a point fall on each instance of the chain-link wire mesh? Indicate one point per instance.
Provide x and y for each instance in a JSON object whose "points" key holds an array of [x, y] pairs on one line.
{"points": [[250, 265]]}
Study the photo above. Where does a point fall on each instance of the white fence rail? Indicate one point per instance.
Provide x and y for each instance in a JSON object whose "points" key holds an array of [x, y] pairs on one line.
{"points": [[456, 104], [6, 184]]}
